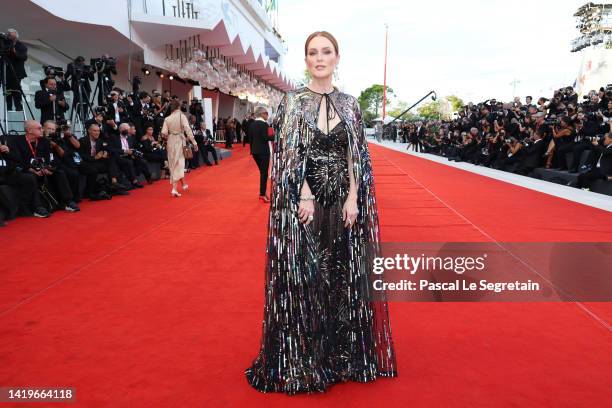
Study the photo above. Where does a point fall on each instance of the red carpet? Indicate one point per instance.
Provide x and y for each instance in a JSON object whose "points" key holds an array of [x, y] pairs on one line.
{"points": [[149, 301]]}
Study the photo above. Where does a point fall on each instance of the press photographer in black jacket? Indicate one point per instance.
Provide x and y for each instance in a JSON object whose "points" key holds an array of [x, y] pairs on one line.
{"points": [[533, 153], [52, 104], [15, 58], [67, 158], [24, 184], [36, 155], [600, 162], [119, 146]]}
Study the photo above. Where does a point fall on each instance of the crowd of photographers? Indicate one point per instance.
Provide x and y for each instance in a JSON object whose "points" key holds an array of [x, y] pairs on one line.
{"points": [[42, 170], [520, 137]]}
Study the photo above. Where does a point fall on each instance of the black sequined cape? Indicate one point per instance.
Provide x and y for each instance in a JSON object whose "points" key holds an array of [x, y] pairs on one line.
{"points": [[288, 361]]}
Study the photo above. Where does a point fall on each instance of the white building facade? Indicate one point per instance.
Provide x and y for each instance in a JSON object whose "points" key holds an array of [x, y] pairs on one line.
{"points": [[227, 52]]}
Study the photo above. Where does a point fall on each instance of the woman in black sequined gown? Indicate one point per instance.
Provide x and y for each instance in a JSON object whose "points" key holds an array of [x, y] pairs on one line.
{"points": [[321, 325]]}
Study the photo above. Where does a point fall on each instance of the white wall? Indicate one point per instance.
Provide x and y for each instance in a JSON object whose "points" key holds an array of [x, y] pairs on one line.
{"points": [[113, 13]]}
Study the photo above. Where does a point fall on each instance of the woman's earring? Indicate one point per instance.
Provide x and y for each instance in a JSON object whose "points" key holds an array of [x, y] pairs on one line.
{"points": [[336, 73]]}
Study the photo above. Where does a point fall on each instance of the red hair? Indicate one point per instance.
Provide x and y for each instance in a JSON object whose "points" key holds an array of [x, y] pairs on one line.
{"points": [[321, 34]]}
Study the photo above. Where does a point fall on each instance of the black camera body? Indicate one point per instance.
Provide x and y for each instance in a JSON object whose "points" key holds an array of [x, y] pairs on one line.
{"points": [[5, 43], [79, 70], [137, 154], [50, 70], [38, 164], [551, 121], [103, 64]]}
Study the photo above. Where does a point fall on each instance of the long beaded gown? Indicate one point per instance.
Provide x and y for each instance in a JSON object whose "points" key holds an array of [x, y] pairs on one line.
{"points": [[327, 330]]}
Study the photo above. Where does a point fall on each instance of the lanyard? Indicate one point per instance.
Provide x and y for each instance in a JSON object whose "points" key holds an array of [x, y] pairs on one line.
{"points": [[32, 149]]}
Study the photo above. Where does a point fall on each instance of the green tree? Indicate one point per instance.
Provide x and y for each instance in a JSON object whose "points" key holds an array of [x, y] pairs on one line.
{"points": [[456, 102], [399, 108], [430, 110], [370, 99]]}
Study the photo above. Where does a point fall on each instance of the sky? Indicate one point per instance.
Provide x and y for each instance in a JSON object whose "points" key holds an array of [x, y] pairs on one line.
{"points": [[472, 49]]}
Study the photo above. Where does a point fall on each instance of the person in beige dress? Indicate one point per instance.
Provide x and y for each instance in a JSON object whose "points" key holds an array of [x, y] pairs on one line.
{"points": [[176, 126]]}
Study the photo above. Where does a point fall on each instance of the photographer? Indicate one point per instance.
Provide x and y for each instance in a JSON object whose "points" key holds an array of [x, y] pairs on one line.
{"points": [[116, 109], [80, 76], [36, 152], [56, 73], [197, 110], [514, 153], [159, 110], [208, 146], [533, 153], [24, 184], [96, 159], [152, 149], [14, 53], [599, 163], [561, 134], [140, 162], [141, 111], [68, 158], [52, 104], [105, 67], [198, 135], [581, 141], [120, 145]]}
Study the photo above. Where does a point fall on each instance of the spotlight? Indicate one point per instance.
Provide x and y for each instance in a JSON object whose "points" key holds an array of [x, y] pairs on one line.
{"points": [[171, 77], [146, 71]]}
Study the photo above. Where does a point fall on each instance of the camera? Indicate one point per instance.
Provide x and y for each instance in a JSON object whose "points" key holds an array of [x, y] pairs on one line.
{"points": [[595, 138], [38, 164], [62, 124], [103, 63], [551, 121], [50, 70], [137, 154], [81, 69], [5, 42]]}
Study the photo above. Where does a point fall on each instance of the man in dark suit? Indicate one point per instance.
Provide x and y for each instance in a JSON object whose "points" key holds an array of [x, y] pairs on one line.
{"points": [[36, 155], [258, 136], [600, 161], [47, 150], [15, 59], [119, 147], [96, 159], [52, 104], [141, 166], [24, 184], [116, 109], [533, 154]]}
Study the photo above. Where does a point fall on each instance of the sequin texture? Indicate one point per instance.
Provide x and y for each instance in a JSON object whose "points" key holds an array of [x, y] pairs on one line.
{"points": [[320, 325]]}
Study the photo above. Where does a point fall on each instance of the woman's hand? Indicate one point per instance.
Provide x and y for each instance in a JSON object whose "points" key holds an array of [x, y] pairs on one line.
{"points": [[350, 211], [305, 210]]}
